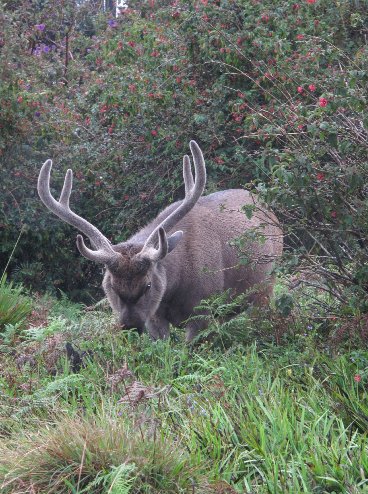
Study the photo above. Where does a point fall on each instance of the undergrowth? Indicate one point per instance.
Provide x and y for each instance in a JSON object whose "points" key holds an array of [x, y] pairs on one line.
{"points": [[85, 407]]}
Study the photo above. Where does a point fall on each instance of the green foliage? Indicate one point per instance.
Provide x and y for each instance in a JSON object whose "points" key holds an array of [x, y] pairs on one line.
{"points": [[14, 305], [143, 417]]}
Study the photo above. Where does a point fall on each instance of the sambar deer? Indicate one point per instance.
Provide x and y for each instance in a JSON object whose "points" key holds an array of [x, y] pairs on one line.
{"points": [[161, 273]]}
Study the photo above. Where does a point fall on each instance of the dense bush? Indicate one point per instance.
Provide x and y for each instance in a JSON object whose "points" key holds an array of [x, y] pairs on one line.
{"points": [[274, 93]]}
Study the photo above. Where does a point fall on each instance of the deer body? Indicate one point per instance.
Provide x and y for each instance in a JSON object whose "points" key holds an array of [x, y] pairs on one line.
{"points": [[162, 272]]}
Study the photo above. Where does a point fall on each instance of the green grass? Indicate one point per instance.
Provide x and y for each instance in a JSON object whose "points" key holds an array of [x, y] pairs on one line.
{"points": [[142, 417]]}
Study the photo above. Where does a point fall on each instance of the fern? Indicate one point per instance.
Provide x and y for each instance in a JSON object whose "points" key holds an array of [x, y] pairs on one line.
{"points": [[14, 306], [55, 325], [119, 480]]}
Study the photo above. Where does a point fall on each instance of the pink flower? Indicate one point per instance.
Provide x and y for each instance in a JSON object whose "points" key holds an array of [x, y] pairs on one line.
{"points": [[154, 133], [333, 214], [132, 88], [300, 36], [357, 378], [20, 99], [300, 89], [322, 102], [131, 43], [320, 176], [155, 53], [312, 87]]}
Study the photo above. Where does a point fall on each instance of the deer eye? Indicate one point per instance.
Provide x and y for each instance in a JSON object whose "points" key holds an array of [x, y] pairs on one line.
{"points": [[148, 286]]}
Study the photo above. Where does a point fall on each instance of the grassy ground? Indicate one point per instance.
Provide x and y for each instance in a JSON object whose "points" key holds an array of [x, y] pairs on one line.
{"points": [[115, 413]]}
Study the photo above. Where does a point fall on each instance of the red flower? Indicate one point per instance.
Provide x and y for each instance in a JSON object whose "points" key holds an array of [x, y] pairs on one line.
{"points": [[357, 378], [333, 214], [132, 88], [175, 15], [155, 53], [311, 1], [219, 160], [20, 99], [300, 89], [265, 18], [320, 176], [312, 87], [154, 133], [238, 117], [131, 43], [322, 102], [300, 36]]}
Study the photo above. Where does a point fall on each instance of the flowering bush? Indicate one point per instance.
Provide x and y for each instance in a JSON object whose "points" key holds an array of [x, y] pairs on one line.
{"points": [[274, 92]]}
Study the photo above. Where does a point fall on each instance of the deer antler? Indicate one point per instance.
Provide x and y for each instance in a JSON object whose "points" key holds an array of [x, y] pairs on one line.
{"points": [[193, 191], [104, 254]]}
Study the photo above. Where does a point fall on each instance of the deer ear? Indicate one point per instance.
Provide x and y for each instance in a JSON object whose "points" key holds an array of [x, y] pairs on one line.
{"points": [[174, 239]]}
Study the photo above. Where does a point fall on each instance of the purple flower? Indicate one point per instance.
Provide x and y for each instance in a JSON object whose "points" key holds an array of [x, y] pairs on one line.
{"points": [[46, 49], [40, 27], [112, 23], [37, 114]]}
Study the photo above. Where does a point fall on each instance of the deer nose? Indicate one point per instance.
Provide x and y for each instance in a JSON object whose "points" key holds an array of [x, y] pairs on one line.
{"points": [[127, 325]]}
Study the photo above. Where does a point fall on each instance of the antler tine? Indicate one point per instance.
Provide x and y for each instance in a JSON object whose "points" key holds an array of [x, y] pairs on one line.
{"points": [[104, 253], [67, 188], [193, 191], [187, 175], [163, 246]]}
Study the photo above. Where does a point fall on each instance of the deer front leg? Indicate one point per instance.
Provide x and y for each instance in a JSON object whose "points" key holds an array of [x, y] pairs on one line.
{"points": [[158, 327]]}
